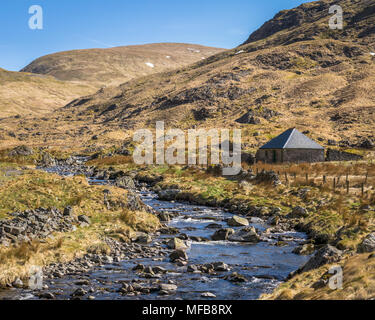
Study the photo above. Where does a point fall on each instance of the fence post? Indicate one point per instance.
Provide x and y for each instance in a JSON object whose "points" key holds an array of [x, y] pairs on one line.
{"points": [[334, 184], [347, 186], [286, 177], [324, 179], [363, 189], [307, 178]]}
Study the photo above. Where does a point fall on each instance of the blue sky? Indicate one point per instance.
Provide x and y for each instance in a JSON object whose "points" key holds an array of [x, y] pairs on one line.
{"points": [[80, 24]]}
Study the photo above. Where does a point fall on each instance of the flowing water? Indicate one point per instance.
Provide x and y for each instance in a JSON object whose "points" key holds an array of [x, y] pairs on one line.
{"points": [[264, 264]]}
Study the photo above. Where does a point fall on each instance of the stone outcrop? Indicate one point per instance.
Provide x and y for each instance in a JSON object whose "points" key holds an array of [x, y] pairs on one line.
{"points": [[253, 115], [125, 182], [336, 155], [268, 177], [327, 254], [21, 151], [368, 244], [298, 212], [36, 224]]}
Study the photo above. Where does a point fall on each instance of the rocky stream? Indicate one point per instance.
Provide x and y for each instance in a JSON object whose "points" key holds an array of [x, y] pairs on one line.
{"points": [[181, 261]]}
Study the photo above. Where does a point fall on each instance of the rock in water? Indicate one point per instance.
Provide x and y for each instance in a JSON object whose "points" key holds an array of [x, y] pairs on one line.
{"points": [[164, 217], [220, 266], [159, 270], [178, 255], [47, 296], [222, 234], [237, 221], [208, 295], [167, 287], [17, 283], [79, 293], [143, 238], [168, 195], [177, 244], [236, 277], [247, 234]]}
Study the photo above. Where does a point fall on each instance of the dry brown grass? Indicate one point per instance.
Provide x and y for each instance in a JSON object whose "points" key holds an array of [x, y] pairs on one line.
{"points": [[25, 93], [141, 221], [331, 176], [112, 161], [113, 66]]}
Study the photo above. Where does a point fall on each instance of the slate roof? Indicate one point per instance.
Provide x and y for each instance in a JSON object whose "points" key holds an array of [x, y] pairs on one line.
{"points": [[292, 139]]}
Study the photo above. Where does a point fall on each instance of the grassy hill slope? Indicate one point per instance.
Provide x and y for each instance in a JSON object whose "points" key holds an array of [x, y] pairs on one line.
{"points": [[25, 93], [113, 66]]}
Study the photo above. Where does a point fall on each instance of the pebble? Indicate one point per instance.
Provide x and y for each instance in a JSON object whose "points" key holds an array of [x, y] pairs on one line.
{"points": [[208, 295]]}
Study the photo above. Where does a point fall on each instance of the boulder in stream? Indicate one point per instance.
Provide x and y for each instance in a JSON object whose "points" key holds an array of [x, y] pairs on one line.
{"points": [[247, 234], [168, 195], [222, 234], [177, 244], [237, 221], [178, 255]]}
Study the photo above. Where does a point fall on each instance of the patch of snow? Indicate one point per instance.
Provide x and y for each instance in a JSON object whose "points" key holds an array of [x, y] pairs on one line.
{"points": [[372, 53], [193, 50], [168, 57], [149, 64], [239, 52]]}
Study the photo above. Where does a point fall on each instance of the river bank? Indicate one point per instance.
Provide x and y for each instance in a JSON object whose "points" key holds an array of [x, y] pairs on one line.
{"points": [[243, 269], [196, 207]]}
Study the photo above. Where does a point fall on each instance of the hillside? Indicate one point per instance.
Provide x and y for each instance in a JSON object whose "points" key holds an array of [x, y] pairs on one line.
{"points": [[309, 21], [113, 66], [321, 84], [52, 81], [25, 93]]}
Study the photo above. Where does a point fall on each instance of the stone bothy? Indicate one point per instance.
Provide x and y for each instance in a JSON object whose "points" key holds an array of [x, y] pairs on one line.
{"points": [[291, 146]]}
